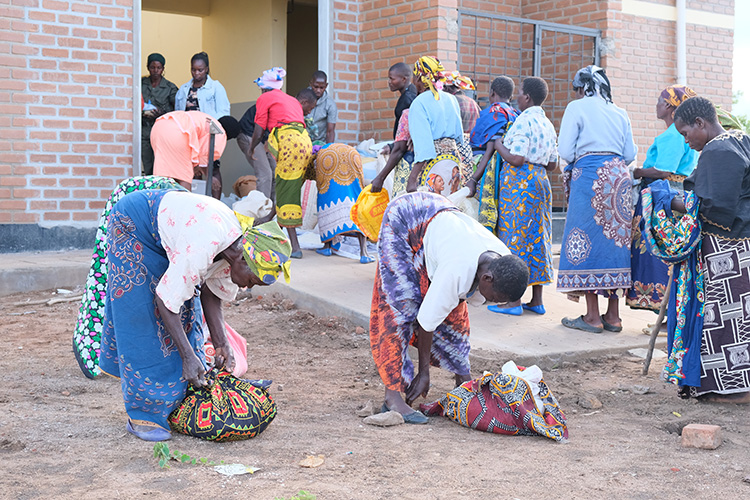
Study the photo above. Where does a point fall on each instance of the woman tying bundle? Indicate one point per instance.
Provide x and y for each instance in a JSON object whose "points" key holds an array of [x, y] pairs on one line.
{"points": [[669, 157], [171, 254], [433, 259], [289, 143], [596, 140]]}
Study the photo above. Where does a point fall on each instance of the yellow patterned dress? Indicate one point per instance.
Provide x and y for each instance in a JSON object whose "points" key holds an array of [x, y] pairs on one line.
{"points": [[338, 174], [291, 146]]}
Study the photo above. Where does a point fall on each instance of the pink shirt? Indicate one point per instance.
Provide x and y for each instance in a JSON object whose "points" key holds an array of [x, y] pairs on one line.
{"points": [[276, 108]]}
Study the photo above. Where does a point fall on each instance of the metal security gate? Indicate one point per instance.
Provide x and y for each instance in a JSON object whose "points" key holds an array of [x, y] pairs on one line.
{"points": [[491, 45]]}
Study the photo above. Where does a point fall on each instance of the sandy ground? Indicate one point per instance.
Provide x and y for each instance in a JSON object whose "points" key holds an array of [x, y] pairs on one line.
{"points": [[63, 436]]}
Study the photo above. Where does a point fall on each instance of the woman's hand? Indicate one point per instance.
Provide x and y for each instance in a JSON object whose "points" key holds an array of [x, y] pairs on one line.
{"points": [[420, 386], [472, 185], [193, 371], [377, 184], [224, 358]]}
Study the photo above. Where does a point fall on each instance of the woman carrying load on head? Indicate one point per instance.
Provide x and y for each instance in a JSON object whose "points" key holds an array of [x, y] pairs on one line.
{"points": [[432, 261], [669, 157], [596, 140], [434, 120], [289, 143], [170, 255]]}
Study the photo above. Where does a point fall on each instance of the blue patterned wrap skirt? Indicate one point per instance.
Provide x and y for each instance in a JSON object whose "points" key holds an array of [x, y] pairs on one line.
{"points": [[595, 253], [136, 346]]}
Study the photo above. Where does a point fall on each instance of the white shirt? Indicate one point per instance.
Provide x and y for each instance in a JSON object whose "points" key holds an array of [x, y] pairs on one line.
{"points": [[593, 125], [532, 136], [194, 229], [453, 243]]}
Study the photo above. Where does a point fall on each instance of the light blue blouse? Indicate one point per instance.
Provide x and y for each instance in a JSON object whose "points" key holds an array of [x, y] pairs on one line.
{"points": [[212, 98], [430, 120], [593, 125], [670, 153]]}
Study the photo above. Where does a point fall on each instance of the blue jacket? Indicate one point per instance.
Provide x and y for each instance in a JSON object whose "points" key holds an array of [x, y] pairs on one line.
{"points": [[212, 98]]}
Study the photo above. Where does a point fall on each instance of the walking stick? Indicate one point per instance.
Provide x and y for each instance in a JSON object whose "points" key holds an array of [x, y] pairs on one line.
{"points": [[657, 326], [213, 129]]}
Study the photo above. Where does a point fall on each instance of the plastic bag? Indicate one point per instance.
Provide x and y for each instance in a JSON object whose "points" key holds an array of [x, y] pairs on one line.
{"points": [[230, 409], [367, 211]]}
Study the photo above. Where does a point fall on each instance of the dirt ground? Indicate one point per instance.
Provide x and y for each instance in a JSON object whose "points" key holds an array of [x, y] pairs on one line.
{"points": [[63, 436]]}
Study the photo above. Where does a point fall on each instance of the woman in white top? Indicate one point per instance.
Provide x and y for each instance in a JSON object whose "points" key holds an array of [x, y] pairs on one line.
{"points": [[596, 140], [432, 261]]}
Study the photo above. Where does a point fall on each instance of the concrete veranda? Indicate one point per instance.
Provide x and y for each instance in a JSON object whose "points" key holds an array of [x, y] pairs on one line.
{"points": [[336, 286]]}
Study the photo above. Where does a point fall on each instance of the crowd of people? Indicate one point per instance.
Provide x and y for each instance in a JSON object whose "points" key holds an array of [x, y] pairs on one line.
{"points": [[165, 258]]}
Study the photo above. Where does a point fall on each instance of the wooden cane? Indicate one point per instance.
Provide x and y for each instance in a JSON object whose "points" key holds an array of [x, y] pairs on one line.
{"points": [[657, 325], [213, 129]]}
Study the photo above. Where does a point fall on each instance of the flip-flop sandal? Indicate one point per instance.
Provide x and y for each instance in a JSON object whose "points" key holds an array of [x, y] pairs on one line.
{"points": [[155, 434], [416, 417], [296, 255], [610, 328], [324, 251], [580, 324], [366, 259]]}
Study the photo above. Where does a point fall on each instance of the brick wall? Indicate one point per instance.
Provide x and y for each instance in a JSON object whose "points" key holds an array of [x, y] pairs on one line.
{"points": [[66, 120], [346, 72]]}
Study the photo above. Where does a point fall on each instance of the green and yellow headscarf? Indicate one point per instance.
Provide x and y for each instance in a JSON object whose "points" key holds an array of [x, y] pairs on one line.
{"points": [[266, 249], [429, 70]]}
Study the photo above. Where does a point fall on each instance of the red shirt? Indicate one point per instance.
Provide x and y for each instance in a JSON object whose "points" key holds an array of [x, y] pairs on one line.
{"points": [[276, 108]]}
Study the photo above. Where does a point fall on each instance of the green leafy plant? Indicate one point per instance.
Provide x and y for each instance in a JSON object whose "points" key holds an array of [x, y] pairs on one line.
{"points": [[301, 495], [164, 454]]}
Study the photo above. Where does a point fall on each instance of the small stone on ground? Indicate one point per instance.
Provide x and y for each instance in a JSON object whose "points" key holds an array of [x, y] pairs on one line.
{"points": [[589, 402]]}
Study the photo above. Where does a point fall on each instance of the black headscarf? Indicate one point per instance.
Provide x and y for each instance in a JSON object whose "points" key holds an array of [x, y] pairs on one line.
{"points": [[156, 57], [593, 80]]}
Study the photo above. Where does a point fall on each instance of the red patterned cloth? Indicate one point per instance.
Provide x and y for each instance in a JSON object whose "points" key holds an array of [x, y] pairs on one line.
{"points": [[503, 404]]}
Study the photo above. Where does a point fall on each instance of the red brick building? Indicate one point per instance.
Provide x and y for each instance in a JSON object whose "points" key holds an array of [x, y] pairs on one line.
{"points": [[69, 77]]}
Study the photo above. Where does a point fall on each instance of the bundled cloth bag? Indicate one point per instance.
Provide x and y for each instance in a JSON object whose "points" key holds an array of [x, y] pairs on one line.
{"points": [[514, 401], [229, 409]]}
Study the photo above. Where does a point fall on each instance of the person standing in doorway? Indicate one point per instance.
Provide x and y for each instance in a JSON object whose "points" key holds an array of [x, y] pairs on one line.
{"points": [[321, 122], [160, 94]]}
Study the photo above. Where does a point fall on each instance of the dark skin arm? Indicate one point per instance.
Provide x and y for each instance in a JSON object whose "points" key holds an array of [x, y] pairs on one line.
{"points": [[473, 182], [331, 133], [413, 182], [397, 152], [192, 368], [678, 204], [650, 173], [512, 159], [215, 320], [257, 133], [420, 386]]}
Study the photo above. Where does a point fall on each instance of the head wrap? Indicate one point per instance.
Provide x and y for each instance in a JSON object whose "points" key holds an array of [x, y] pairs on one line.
{"points": [[266, 249], [156, 57], [429, 70], [430, 182], [593, 80], [455, 79], [727, 120], [674, 95], [272, 78]]}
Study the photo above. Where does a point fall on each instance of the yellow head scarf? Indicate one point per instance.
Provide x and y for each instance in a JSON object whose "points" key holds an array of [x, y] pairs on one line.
{"points": [[266, 249], [429, 70], [458, 80]]}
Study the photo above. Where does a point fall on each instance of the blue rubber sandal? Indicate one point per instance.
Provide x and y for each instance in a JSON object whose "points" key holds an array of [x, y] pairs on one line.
{"points": [[416, 417], [366, 259], [513, 311], [324, 251], [296, 255], [537, 309], [156, 434]]}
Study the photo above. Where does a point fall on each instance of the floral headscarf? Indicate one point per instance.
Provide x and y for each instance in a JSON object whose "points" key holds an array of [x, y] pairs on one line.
{"points": [[430, 182], [266, 249], [272, 78], [674, 95], [593, 80], [429, 70], [455, 79]]}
